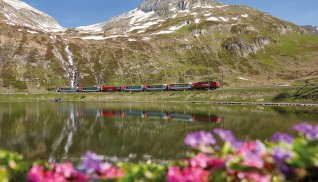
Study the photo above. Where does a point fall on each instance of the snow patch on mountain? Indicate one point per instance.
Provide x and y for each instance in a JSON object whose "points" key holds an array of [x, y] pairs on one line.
{"points": [[132, 40], [19, 5], [171, 29], [212, 19], [138, 15], [93, 38], [20, 13], [143, 26], [242, 78], [223, 19], [32, 32], [91, 28]]}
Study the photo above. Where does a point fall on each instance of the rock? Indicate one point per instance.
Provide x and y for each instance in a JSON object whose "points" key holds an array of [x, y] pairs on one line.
{"points": [[162, 6], [240, 48]]}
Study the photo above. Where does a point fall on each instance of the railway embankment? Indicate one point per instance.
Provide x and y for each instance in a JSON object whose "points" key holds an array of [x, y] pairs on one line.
{"points": [[275, 96]]}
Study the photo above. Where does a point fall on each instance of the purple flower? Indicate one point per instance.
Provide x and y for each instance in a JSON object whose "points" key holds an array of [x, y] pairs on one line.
{"points": [[311, 132], [228, 136], [280, 156], [278, 137], [198, 139], [303, 128], [252, 152], [92, 163]]}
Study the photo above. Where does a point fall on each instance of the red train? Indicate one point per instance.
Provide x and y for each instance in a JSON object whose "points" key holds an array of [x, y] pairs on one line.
{"points": [[141, 88]]}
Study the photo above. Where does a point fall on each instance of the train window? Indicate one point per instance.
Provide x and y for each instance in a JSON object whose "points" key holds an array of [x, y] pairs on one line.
{"points": [[181, 85], [156, 86], [133, 87]]}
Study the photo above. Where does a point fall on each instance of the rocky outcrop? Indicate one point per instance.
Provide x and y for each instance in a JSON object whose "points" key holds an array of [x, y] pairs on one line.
{"points": [[313, 29], [162, 6], [240, 48]]}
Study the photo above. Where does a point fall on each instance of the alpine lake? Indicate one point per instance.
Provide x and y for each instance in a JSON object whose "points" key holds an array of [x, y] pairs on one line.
{"points": [[132, 132]]}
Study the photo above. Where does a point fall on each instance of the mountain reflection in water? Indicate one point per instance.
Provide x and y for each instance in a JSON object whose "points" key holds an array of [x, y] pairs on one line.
{"points": [[131, 132]]}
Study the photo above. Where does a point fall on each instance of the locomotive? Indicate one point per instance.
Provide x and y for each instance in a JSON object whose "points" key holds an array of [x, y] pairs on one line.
{"points": [[142, 88]]}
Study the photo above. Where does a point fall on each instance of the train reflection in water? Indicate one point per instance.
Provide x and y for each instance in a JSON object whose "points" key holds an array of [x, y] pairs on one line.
{"points": [[162, 115], [174, 116]]}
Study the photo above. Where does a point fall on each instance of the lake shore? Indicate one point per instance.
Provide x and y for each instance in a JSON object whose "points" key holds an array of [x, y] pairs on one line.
{"points": [[285, 96]]}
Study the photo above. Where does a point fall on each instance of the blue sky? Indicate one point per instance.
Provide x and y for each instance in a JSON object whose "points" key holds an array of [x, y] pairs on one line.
{"points": [[72, 13]]}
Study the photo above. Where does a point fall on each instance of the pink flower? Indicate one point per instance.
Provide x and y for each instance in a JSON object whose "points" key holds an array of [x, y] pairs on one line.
{"points": [[188, 174], [203, 161], [254, 177], [252, 153], [50, 176], [65, 169], [60, 173], [174, 174], [253, 160], [253, 146], [113, 173], [36, 174]]}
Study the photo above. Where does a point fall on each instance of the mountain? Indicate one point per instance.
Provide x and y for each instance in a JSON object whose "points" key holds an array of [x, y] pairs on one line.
{"points": [[161, 41], [149, 13], [15, 12], [313, 29]]}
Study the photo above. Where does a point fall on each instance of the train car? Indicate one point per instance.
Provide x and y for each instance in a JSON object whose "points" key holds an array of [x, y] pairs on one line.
{"points": [[157, 87], [208, 118], [205, 85], [89, 89], [67, 89], [183, 86], [135, 88], [215, 85], [111, 88], [182, 117]]}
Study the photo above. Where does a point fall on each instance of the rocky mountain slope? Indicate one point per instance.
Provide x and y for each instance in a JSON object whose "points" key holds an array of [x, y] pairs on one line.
{"points": [[162, 41], [313, 29]]}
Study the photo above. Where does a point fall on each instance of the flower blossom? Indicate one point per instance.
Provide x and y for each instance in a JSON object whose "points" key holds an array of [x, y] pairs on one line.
{"points": [[280, 156], [278, 137], [228, 136], [98, 169], [188, 174], [203, 161], [311, 132], [201, 138]]}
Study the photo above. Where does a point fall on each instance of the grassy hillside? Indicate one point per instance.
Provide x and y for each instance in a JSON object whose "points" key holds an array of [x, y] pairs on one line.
{"points": [[250, 48]]}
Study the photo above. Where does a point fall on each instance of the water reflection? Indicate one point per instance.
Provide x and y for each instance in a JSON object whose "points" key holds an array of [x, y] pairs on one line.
{"points": [[131, 132], [67, 133], [142, 114]]}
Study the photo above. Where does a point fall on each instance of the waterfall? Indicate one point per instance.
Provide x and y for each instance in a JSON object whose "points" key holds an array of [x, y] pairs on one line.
{"points": [[68, 66], [72, 71]]}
